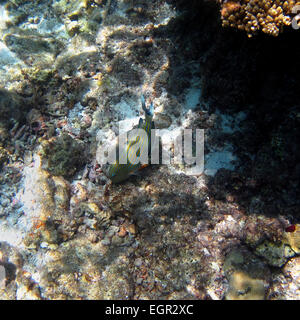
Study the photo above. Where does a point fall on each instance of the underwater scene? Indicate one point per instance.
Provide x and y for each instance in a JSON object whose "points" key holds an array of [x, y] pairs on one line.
{"points": [[149, 150]]}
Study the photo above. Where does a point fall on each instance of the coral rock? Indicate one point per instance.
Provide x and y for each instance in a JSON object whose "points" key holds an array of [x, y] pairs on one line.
{"points": [[253, 15]]}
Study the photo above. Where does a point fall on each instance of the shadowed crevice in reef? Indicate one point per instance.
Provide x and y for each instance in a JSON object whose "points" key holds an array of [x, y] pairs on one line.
{"points": [[12, 106], [258, 76]]}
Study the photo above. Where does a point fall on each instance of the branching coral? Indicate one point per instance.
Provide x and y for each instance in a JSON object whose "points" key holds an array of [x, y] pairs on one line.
{"points": [[269, 16]]}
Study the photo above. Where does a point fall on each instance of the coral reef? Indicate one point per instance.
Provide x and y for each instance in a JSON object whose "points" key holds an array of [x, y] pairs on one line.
{"points": [[17, 282], [252, 16], [286, 284], [66, 232], [80, 16]]}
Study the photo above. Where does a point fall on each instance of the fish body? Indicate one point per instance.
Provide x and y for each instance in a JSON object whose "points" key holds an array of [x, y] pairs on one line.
{"points": [[118, 172]]}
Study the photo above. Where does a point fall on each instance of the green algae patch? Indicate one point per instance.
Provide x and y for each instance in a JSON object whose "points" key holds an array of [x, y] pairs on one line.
{"points": [[275, 254], [62, 156]]}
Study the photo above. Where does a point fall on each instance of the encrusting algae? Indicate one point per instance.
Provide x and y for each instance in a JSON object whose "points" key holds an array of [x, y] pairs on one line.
{"points": [[253, 15]]}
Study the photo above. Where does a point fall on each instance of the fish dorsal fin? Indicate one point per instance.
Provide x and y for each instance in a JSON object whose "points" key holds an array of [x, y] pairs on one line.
{"points": [[149, 111], [140, 123]]}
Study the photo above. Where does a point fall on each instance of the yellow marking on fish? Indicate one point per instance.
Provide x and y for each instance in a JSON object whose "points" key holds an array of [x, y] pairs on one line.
{"points": [[118, 172]]}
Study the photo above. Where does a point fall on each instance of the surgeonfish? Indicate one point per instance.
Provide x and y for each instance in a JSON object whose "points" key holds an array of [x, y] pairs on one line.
{"points": [[118, 172]]}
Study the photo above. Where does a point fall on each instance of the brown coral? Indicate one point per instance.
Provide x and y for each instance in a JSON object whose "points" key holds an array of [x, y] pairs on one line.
{"points": [[269, 16]]}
